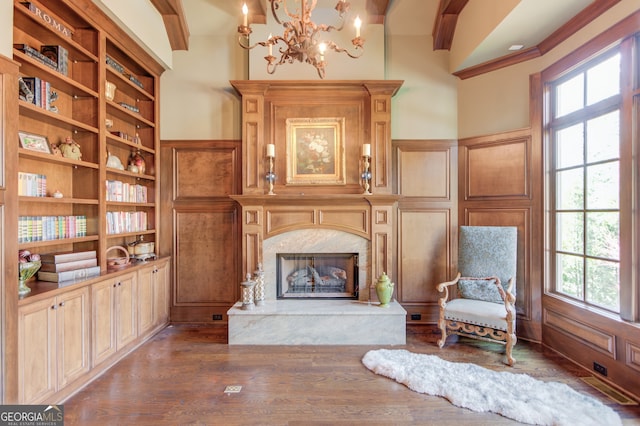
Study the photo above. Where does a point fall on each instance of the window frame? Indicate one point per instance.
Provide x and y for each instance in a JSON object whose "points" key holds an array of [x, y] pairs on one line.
{"points": [[628, 103]]}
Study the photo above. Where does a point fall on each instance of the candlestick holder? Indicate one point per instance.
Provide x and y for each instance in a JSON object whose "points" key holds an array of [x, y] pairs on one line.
{"points": [[366, 175], [270, 176]]}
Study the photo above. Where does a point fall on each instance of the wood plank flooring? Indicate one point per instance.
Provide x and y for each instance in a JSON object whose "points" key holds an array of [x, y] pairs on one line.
{"points": [[179, 378]]}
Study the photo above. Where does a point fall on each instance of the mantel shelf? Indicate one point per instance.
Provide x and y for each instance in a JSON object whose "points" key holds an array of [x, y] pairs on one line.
{"points": [[325, 199]]}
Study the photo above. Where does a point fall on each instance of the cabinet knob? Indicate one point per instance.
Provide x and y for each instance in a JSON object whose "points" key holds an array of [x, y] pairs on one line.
{"points": [[61, 304], [54, 307]]}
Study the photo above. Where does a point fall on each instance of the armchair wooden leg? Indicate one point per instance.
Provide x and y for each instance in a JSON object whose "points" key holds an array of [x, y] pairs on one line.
{"points": [[511, 341], [442, 324]]}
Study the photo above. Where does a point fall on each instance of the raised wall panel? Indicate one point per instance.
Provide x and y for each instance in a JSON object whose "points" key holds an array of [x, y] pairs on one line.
{"points": [[596, 339], [425, 173], [424, 253], [499, 186], [205, 240], [498, 169], [204, 173]]}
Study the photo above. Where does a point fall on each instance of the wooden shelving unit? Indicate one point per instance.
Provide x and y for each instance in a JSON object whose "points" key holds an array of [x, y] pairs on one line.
{"points": [[120, 126]]}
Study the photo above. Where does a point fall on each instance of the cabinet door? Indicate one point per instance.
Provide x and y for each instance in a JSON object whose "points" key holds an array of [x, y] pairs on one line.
{"points": [[126, 309], [37, 351], [72, 335], [104, 323], [161, 293], [146, 284]]}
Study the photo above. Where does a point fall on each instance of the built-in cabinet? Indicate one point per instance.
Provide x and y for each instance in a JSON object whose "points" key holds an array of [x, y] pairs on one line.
{"points": [[114, 314], [79, 115], [153, 296], [68, 339], [53, 344]]}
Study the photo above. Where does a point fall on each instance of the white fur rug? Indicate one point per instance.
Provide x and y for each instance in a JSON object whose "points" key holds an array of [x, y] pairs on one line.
{"points": [[517, 396]]}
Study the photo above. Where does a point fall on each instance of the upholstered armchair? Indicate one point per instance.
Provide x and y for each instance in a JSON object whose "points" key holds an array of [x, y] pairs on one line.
{"points": [[480, 302]]}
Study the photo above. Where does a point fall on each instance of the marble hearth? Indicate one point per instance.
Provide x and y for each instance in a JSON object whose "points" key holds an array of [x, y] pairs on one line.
{"points": [[317, 321]]}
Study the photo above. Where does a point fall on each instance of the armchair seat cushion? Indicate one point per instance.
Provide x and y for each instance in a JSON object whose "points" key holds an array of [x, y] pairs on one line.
{"points": [[477, 312]]}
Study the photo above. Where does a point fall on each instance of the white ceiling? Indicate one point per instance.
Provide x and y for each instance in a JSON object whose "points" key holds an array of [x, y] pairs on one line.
{"points": [[529, 22]]}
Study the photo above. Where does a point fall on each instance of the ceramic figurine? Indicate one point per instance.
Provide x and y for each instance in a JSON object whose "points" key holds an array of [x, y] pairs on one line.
{"points": [[70, 149]]}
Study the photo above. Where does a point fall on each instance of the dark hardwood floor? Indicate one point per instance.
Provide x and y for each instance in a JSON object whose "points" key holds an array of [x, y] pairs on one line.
{"points": [[179, 377]]}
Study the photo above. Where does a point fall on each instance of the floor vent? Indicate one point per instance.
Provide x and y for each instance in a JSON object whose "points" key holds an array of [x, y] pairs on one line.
{"points": [[608, 390]]}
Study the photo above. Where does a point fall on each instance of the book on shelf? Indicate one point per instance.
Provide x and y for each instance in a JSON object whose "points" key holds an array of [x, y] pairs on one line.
{"points": [[57, 54], [67, 256], [76, 274], [68, 266]]}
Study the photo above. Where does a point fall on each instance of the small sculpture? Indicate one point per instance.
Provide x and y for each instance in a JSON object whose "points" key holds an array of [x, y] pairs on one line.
{"points": [[70, 149], [136, 159]]}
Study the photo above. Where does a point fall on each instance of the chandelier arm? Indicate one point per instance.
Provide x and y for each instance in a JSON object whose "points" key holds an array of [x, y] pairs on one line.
{"points": [[247, 45], [339, 49]]}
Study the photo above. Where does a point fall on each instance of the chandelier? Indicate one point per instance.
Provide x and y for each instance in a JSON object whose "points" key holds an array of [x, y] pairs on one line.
{"points": [[301, 40]]}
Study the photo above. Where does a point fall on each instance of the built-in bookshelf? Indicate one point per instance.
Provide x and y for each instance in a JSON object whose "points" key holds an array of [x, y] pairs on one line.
{"points": [[87, 132]]}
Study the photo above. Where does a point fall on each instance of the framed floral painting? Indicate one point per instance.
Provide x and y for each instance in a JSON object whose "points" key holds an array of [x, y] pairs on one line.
{"points": [[315, 151]]}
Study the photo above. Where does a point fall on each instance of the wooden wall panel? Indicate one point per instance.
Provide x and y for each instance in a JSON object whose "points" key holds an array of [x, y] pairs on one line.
{"points": [[205, 243], [497, 169], [424, 253], [500, 179], [425, 174], [203, 173]]}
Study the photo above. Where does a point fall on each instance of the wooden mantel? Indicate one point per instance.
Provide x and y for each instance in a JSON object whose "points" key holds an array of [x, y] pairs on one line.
{"points": [[365, 106], [369, 216]]}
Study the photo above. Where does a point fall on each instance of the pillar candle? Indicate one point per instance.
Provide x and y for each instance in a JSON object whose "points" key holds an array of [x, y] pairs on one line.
{"points": [[366, 150], [271, 150]]}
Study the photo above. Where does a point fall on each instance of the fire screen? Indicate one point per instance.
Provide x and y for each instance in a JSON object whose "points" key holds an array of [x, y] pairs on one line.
{"points": [[317, 275]]}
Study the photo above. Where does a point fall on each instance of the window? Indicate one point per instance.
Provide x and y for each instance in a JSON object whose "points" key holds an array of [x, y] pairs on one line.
{"points": [[590, 168]]}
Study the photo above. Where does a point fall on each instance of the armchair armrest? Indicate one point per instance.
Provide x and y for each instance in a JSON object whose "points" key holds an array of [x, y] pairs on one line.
{"points": [[444, 287], [510, 299]]}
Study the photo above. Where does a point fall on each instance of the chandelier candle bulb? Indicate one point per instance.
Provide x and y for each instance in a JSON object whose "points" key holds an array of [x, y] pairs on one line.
{"points": [[357, 23], [271, 150], [270, 45], [245, 14]]}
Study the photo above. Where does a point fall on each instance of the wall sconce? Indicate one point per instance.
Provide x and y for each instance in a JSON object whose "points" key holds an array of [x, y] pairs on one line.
{"points": [[366, 174], [271, 177]]}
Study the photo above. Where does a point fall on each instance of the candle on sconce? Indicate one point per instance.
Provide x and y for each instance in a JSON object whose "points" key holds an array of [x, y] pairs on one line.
{"points": [[271, 150], [245, 13], [270, 45], [357, 23], [366, 150]]}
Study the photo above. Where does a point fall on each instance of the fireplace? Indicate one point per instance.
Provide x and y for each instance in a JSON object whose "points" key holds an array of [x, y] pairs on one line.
{"points": [[317, 275]]}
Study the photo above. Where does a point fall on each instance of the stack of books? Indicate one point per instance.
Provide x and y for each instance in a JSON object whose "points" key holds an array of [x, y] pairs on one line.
{"points": [[67, 266]]}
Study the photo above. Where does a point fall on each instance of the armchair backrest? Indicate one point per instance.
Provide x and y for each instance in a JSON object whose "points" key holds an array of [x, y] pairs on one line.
{"points": [[485, 251]]}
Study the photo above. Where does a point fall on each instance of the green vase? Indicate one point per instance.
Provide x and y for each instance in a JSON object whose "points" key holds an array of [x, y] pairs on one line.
{"points": [[384, 290]]}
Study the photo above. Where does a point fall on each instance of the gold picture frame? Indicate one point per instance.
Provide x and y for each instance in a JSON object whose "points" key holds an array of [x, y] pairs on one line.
{"points": [[35, 143], [315, 151]]}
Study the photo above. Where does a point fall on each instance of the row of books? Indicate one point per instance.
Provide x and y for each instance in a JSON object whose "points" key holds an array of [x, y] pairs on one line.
{"points": [[32, 184], [120, 222], [46, 228], [53, 56], [41, 94], [68, 266], [125, 192]]}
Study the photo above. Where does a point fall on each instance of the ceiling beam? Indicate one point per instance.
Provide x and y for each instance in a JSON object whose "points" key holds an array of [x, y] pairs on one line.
{"points": [[376, 10], [445, 26], [175, 22]]}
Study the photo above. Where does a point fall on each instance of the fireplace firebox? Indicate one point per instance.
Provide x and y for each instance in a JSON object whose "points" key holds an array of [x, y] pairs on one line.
{"points": [[317, 275]]}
